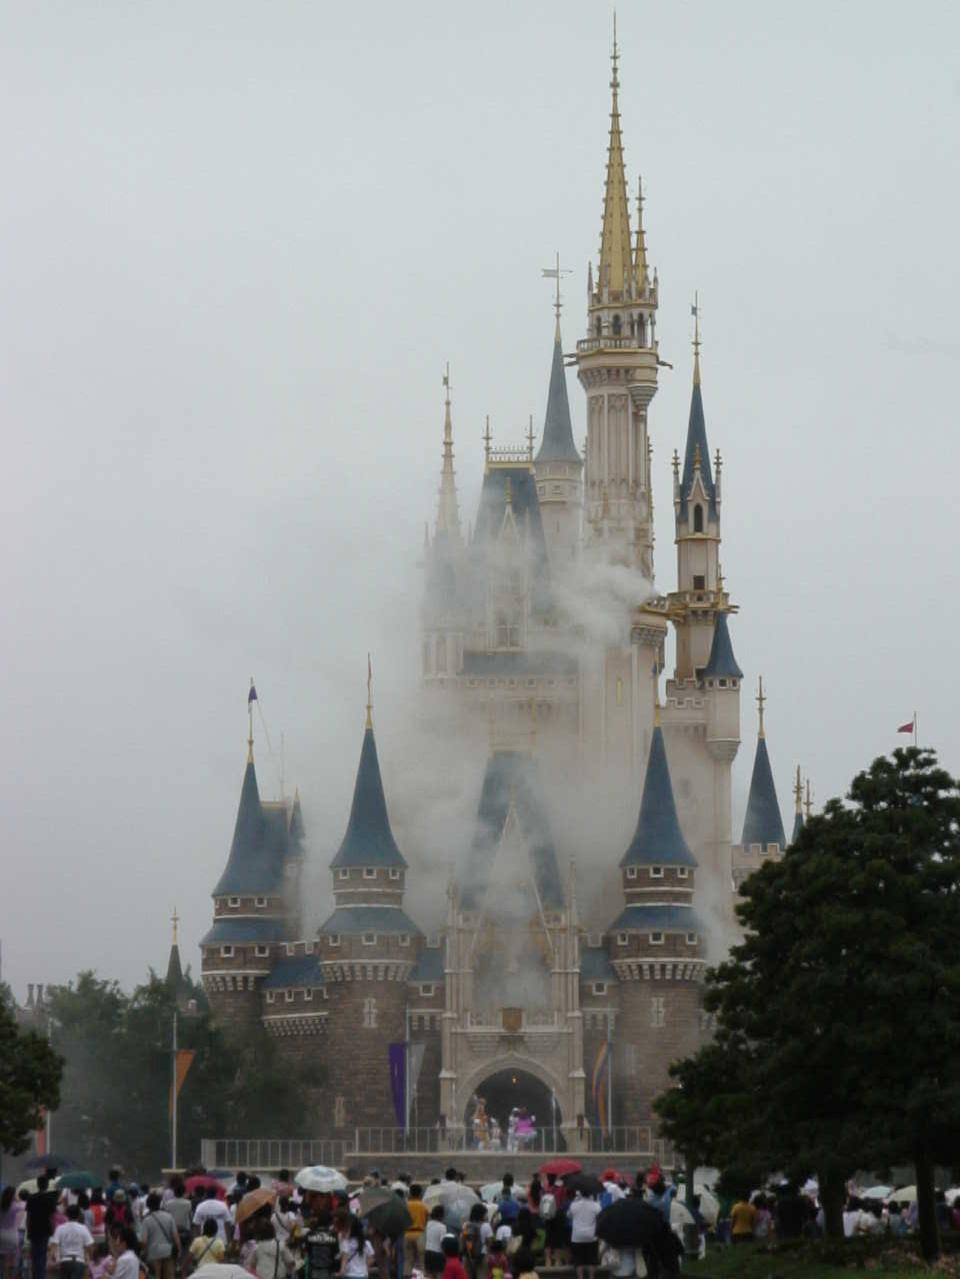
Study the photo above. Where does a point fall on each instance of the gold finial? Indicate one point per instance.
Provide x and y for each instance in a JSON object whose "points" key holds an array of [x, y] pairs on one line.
{"points": [[761, 700], [251, 698], [530, 439], [798, 794], [555, 273], [615, 272], [487, 439], [175, 920], [808, 802], [676, 465], [695, 312], [369, 723], [640, 254], [615, 57]]}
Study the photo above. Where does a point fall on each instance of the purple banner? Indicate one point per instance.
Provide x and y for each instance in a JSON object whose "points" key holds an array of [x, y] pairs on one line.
{"points": [[398, 1082]]}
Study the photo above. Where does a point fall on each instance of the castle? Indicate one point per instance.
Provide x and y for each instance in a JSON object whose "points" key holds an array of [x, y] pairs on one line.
{"points": [[520, 998]]}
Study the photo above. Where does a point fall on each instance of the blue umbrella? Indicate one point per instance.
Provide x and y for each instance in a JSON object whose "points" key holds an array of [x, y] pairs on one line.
{"points": [[37, 1163]]}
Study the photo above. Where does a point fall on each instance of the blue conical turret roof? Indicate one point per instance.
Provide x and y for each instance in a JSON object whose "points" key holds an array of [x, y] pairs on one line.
{"points": [[697, 439], [763, 823], [721, 663], [658, 839], [557, 444], [253, 866], [369, 840]]}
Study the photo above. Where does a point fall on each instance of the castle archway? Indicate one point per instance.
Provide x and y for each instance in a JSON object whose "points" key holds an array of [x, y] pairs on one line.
{"points": [[511, 1090]]}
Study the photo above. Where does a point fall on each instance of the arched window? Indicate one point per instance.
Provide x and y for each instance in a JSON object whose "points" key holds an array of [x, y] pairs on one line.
{"points": [[616, 326], [370, 1014], [698, 518], [599, 326], [641, 331]]}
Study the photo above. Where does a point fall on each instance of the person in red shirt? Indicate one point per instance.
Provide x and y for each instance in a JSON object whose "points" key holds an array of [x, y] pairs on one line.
{"points": [[453, 1267]]}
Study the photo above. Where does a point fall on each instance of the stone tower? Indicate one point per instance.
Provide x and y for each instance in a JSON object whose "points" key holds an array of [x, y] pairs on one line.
{"points": [[368, 949], [656, 948]]}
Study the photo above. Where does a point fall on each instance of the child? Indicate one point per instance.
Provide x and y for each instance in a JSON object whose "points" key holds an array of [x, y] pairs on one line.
{"points": [[433, 1259], [452, 1267], [498, 1267]]}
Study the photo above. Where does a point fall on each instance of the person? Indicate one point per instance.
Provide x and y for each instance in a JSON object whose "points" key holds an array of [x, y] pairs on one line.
{"points": [[851, 1217], [208, 1248], [498, 1266], [356, 1252], [476, 1234], [270, 1259], [322, 1252], [743, 1216], [211, 1206], [40, 1209], [792, 1211], [118, 1210], [95, 1216], [452, 1267], [660, 1196], [942, 1209], [9, 1234], [123, 1246], [553, 1221], [71, 1245], [414, 1239], [763, 1222], [159, 1239], [524, 1264], [433, 1259], [114, 1182], [583, 1214], [181, 1210], [895, 1223]]}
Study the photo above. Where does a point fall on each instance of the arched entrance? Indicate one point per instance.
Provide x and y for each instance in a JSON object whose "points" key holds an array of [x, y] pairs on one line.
{"points": [[514, 1093]]}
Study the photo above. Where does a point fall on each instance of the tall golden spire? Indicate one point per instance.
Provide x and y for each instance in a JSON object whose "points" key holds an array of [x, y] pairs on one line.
{"points": [[640, 255], [448, 513], [616, 258], [695, 311]]}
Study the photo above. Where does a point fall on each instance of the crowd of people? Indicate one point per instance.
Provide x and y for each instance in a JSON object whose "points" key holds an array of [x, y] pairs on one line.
{"points": [[792, 1212], [279, 1230]]}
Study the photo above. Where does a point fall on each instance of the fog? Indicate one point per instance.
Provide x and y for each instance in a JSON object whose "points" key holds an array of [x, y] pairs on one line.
{"points": [[240, 242]]}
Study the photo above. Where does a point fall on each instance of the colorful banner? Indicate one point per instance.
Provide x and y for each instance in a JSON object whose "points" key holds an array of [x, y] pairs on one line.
{"points": [[598, 1085], [184, 1060], [398, 1081]]}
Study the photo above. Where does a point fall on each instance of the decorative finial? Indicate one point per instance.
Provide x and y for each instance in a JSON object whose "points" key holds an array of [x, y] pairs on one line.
{"points": [[251, 698], [798, 794], [446, 383], [808, 802], [554, 273], [175, 920], [718, 463], [761, 701], [369, 692], [487, 439], [695, 312], [656, 696], [721, 589], [615, 58], [676, 465], [530, 439]]}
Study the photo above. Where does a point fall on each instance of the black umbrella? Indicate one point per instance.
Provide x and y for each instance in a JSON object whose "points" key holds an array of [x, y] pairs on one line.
{"points": [[585, 1182], [384, 1211], [37, 1163], [630, 1223]]}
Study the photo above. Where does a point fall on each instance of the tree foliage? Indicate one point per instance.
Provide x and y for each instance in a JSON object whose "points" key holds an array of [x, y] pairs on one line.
{"points": [[839, 1013], [30, 1073]]}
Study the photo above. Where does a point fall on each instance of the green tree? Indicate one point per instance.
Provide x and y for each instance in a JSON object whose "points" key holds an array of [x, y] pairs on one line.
{"points": [[30, 1073]]}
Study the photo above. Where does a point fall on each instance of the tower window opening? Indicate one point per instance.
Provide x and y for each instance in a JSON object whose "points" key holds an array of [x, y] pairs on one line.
{"points": [[260, 902], [599, 326], [370, 1014], [404, 939], [698, 518], [288, 996], [369, 939], [226, 952], [656, 872], [631, 872], [641, 331], [334, 939], [658, 1011], [656, 939], [343, 874], [394, 873], [617, 326], [369, 872], [692, 939], [599, 987], [262, 952], [683, 872], [622, 939], [233, 901], [699, 582]]}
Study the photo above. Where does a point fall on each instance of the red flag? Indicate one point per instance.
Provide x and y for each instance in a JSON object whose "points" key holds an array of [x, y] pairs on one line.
{"points": [[906, 728]]}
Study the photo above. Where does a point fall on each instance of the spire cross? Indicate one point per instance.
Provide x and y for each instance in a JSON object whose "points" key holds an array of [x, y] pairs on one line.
{"points": [[798, 793], [761, 701], [251, 698], [369, 692], [175, 920], [808, 802], [554, 273]]}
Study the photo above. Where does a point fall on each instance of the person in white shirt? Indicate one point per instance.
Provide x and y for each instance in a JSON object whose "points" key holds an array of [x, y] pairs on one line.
{"points": [[583, 1214], [72, 1245], [123, 1245], [215, 1208]]}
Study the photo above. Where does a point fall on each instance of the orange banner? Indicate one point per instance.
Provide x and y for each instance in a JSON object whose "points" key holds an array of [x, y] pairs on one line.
{"points": [[184, 1061]]}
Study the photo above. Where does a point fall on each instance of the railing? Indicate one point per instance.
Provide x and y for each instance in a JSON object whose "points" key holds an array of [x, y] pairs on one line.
{"points": [[273, 1153]]}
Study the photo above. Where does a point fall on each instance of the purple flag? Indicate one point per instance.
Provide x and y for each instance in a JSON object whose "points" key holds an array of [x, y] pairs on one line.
{"points": [[398, 1081]]}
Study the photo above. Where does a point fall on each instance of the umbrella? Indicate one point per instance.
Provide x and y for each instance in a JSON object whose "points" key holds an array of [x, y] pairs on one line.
{"points": [[385, 1211], [680, 1214], [203, 1181], [709, 1206], [254, 1201], [585, 1182], [878, 1192], [951, 1195], [561, 1167], [221, 1174], [79, 1180], [321, 1178], [457, 1201], [904, 1195], [31, 1187], [629, 1223], [493, 1191], [37, 1163]]}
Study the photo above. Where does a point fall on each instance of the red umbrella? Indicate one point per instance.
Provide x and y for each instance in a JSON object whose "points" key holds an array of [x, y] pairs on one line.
{"points": [[611, 1174], [203, 1182], [561, 1167]]}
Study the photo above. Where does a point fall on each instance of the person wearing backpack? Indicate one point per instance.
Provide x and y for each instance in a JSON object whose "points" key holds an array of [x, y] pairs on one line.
{"points": [[159, 1239], [476, 1232], [553, 1225], [207, 1248]]}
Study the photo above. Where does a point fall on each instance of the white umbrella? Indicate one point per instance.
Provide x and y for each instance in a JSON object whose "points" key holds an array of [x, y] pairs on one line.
{"points": [[680, 1214], [320, 1178], [878, 1192], [457, 1201], [951, 1195], [709, 1206], [904, 1195]]}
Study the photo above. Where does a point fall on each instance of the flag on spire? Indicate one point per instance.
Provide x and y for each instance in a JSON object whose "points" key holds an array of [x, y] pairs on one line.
{"points": [[906, 728]]}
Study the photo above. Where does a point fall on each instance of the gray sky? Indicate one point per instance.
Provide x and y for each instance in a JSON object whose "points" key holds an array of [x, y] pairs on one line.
{"points": [[239, 242]]}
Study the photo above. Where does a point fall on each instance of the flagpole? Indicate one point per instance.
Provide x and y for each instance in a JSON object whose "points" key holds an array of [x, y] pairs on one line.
{"points": [[173, 1104], [916, 730]]}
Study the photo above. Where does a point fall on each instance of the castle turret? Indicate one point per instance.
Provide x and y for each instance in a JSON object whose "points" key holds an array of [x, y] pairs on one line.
{"points": [[368, 948], [656, 947], [763, 836], [558, 466]]}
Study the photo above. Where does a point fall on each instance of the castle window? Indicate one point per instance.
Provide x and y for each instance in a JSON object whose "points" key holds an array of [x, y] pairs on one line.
{"points": [[339, 1112], [270, 996], [541, 489], [394, 873], [683, 872], [557, 489], [308, 947], [658, 1011], [369, 872], [226, 952], [334, 939], [262, 952], [343, 874], [631, 872], [656, 872], [427, 989], [260, 902], [599, 987], [722, 683], [308, 996], [656, 939], [404, 939], [370, 1014], [369, 939], [622, 939], [233, 901], [692, 939], [698, 518], [617, 325], [699, 582], [288, 996]]}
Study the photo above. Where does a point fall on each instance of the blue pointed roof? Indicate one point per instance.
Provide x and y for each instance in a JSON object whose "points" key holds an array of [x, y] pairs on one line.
{"points": [[557, 444], [763, 823], [721, 662], [255, 863], [368, 840], [511, 777], [658, 839], [697, 435]]}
